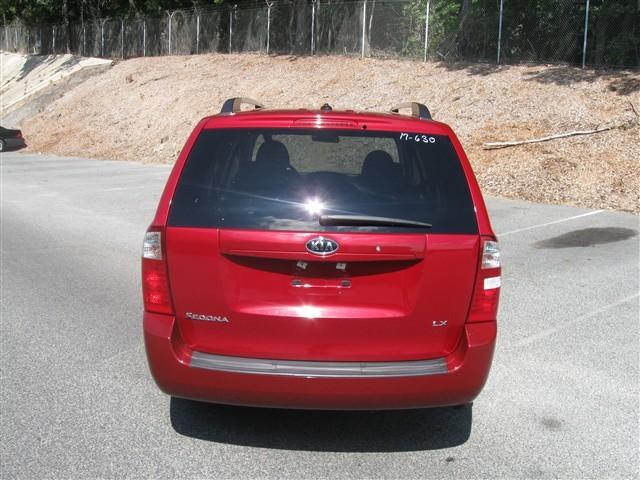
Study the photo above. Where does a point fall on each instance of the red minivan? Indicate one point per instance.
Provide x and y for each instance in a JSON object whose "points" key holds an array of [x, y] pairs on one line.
{"points": [[321, 259]]}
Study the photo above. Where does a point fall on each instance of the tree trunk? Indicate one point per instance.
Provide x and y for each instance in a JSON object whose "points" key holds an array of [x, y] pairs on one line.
{"points": [[292, 17], [458, 35], [373, 7], [94, 9], [223, 32], [600, 38], [303, 31], [65, 22], [465, 8]]}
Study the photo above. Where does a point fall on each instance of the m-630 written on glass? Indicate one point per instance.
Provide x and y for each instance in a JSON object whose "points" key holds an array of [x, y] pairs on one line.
{"points": [[417, 138]]}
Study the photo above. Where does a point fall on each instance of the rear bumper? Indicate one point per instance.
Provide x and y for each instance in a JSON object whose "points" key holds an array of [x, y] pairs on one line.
{"points": [[452, 380]]}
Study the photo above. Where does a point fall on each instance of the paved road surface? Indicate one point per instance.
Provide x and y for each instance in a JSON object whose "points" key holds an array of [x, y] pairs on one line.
{"points": [[77, 399]]}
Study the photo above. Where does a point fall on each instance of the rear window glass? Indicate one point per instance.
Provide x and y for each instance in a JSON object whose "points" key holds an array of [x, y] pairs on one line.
{"points": [[286, 179]]}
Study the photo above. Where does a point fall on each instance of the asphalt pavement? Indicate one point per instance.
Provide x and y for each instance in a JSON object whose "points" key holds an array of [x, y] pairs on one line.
{"points": [[77, 400]]}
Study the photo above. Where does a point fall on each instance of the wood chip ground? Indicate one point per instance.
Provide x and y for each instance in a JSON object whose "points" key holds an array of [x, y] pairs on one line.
{"points": [[143, 109]]}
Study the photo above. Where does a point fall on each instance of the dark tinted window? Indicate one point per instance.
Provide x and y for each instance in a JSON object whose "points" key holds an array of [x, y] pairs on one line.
{"points": [[284, 179]]}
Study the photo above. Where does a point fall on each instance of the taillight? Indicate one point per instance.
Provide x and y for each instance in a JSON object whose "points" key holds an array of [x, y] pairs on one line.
{"points": [[19, 135], [155, 281], [484, 304]]}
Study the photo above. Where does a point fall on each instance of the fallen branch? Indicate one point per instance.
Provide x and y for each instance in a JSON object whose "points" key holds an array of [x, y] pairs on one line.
{"points": [[496, 145], [629, 123], [633, 107]]}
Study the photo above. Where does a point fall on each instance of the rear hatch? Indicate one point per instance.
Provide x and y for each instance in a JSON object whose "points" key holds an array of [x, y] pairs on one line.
{"points": [[322, 245]]}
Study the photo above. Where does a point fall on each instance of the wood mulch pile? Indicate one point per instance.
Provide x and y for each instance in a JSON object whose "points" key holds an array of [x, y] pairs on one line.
{"points": [[143, 109]]}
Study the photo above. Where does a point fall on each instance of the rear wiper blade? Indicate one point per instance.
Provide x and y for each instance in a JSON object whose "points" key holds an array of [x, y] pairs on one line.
{"points": [[365, 220]]}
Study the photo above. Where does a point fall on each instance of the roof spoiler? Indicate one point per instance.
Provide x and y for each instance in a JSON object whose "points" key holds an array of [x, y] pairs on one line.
{"points": [[234, 105], [418, 110]]}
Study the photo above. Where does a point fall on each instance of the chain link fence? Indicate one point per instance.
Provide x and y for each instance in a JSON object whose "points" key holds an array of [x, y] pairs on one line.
{"points": [[587, 32]]}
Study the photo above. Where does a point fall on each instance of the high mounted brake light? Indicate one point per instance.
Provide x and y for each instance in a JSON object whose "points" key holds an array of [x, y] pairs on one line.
{"points": [[484, 304], [155, 281], [321, 122]]}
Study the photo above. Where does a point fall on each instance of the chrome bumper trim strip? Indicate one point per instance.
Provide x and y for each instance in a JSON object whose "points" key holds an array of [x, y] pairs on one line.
{"points": [[259, 366]]}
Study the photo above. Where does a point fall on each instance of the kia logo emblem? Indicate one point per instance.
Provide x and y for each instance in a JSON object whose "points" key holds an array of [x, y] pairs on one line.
{"points": [[322, 246]]}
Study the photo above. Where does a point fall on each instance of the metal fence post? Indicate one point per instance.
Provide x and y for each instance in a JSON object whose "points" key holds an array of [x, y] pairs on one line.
{"points": [[102, 38], [53, 29], [313, 26], [121, 38], [84, 40], [586, 32], [268, 24], [144, 38], [197, 33], [499, 32], [231, 10], [364, 26], [426, 30]]}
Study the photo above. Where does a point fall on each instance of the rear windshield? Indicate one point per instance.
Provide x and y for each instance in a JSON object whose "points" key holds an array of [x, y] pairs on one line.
{"points": [[270, 179]]}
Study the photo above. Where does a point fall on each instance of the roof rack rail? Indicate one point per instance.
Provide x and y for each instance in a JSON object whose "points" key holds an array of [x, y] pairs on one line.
{"points": [[418, 110], [233, 105]]}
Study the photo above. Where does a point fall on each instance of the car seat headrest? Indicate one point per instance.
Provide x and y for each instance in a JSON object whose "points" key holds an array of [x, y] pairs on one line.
{"points": [[379, 164], [274, 155]]}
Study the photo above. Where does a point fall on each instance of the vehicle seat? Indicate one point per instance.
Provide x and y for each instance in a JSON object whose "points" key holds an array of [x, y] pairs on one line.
{"points": [[380, 173], [271, 169]]}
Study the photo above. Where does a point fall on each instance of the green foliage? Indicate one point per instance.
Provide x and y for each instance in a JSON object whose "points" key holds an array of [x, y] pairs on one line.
{"points": [[457, 29], [34, 12], [532, 30]]}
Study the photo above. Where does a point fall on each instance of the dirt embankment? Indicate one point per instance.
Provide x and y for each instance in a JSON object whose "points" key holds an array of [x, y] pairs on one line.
{"points": [[143, 109], [29, 81]]}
